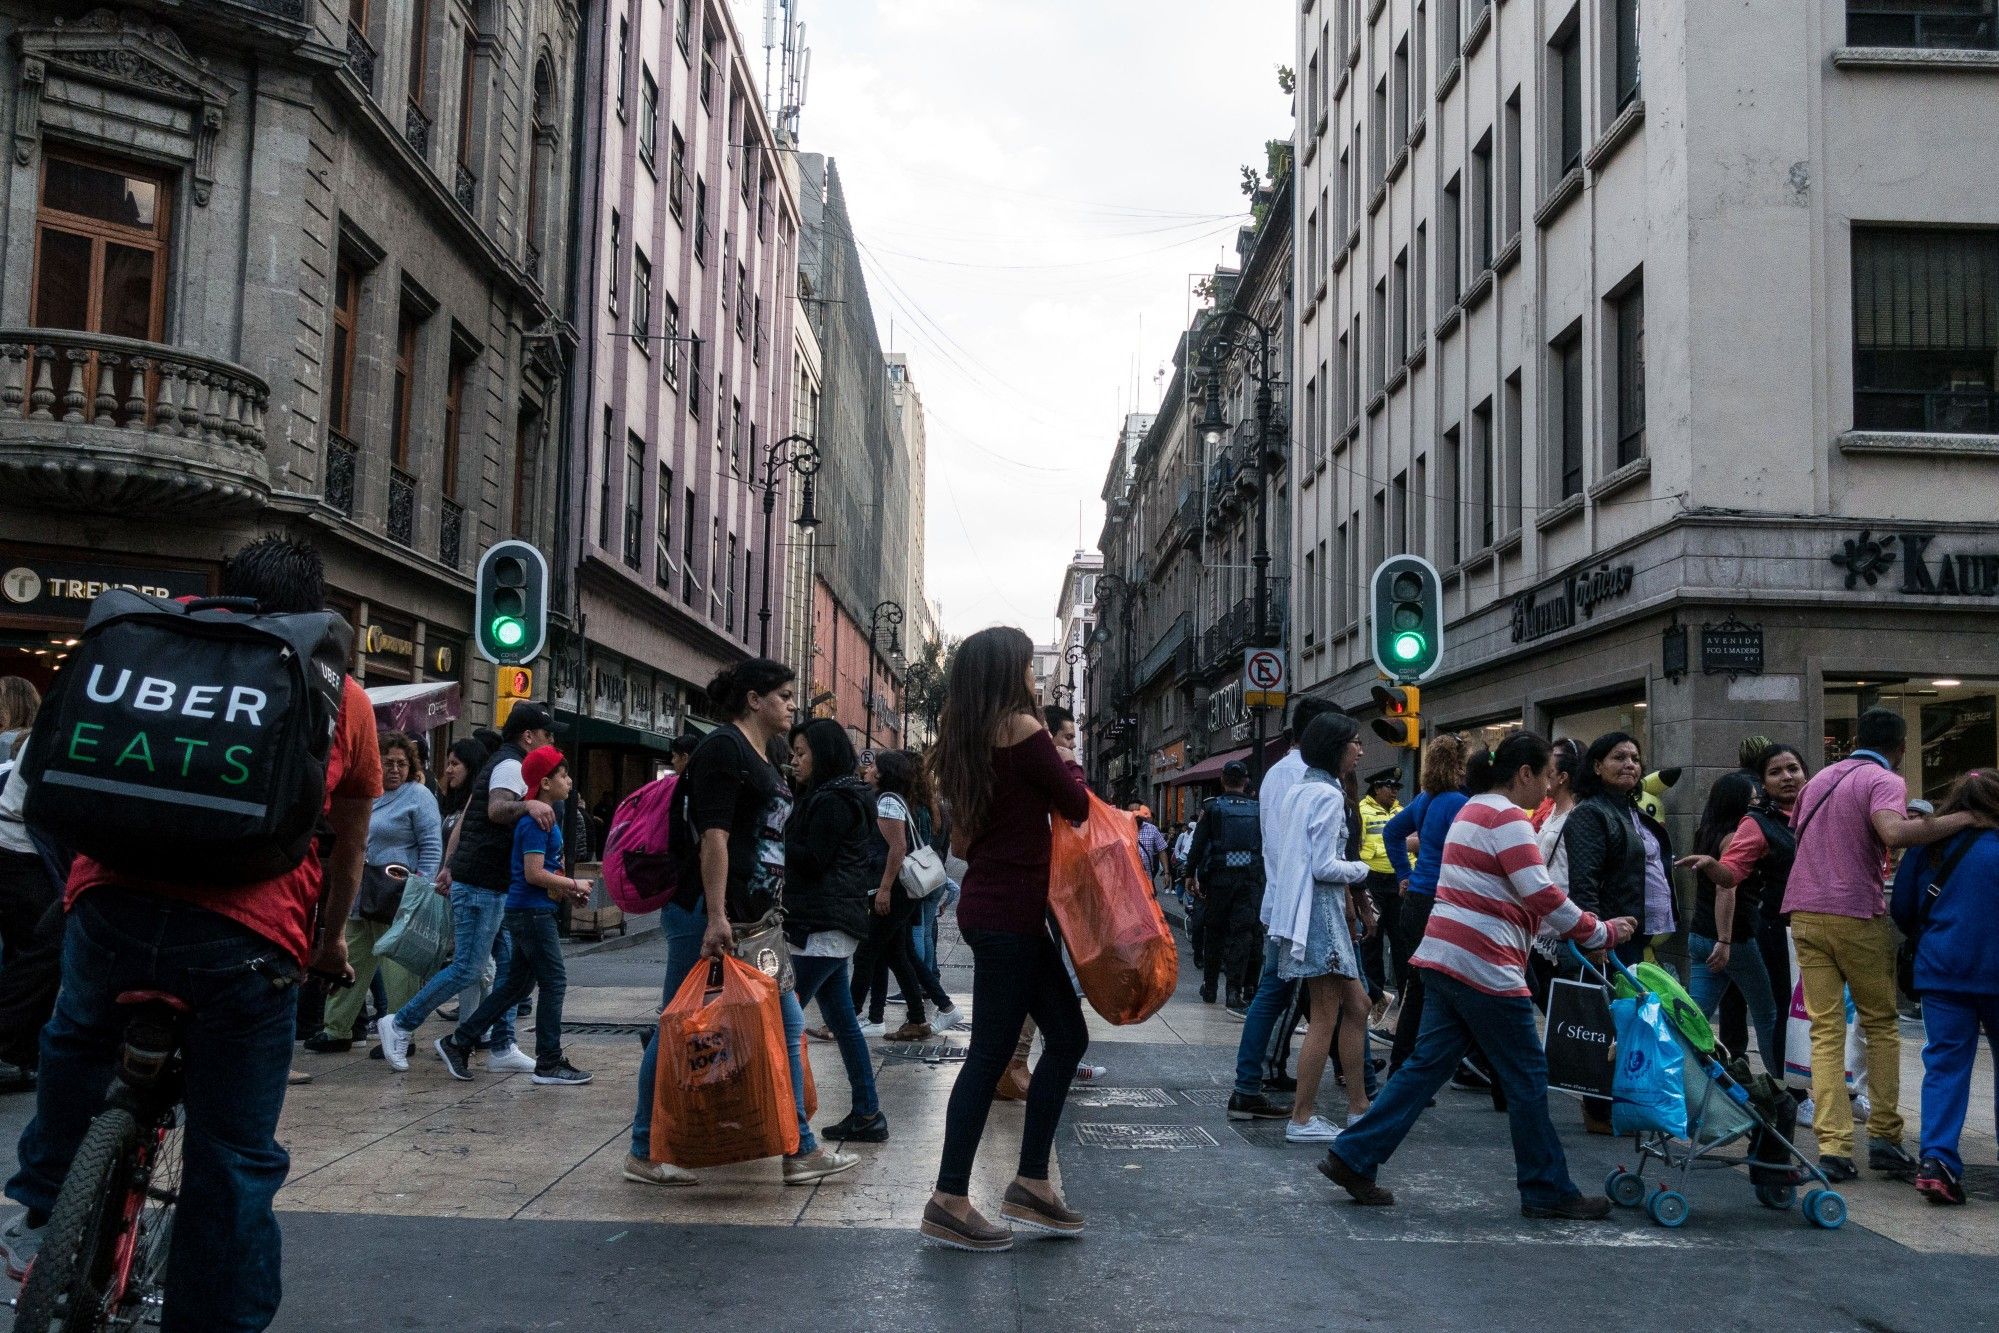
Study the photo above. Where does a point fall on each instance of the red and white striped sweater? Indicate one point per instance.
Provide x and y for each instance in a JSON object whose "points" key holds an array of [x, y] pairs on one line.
{"points": [[1493, 894]]}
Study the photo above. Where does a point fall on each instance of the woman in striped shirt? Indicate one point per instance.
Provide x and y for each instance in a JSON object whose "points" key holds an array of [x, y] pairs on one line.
{"points": [[1493, 894]]}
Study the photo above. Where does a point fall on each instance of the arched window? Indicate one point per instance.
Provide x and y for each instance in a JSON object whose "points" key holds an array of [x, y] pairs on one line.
{"points": [[541, 163]]}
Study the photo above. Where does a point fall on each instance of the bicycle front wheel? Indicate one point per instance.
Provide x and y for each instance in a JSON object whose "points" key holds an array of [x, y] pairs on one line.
{"points": [[69, 1285]]}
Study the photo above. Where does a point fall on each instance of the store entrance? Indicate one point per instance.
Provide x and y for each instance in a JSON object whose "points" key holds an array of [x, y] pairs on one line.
{"points": [[35, 656], [1953, 724]]}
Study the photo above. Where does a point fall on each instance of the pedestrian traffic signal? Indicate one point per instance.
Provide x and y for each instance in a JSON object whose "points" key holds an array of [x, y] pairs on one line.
{"points": [[511, 603], [1401, 720], [1407, 608], [511, 684]]}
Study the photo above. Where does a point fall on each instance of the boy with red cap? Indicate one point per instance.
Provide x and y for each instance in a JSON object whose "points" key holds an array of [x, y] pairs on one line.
{"points": [[534, 889]]}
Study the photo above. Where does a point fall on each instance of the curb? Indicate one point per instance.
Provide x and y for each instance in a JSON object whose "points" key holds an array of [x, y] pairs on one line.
{"points": [[625, 941]]}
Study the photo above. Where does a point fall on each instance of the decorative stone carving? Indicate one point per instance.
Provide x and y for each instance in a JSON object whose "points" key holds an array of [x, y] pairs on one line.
{"points": [[128, 52]]}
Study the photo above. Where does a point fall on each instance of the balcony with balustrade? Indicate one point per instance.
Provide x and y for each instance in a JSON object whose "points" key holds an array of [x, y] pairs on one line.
{"points": [[89, 420]]}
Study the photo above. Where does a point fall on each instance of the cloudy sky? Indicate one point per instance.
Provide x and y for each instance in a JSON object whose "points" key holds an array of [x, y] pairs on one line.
{"points": [[1033, 182]]}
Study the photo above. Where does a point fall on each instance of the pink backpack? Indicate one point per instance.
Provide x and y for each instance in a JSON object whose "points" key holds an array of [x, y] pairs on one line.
{"points": [[640, 872]]}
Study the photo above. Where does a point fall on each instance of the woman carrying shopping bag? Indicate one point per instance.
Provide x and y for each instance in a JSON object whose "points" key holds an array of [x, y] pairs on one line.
{"points": [[996, 767], [1317, 910]]}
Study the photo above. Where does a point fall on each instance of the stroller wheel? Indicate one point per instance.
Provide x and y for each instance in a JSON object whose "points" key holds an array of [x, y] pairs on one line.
{"points": [[1624, 1189], [1826, 1209], [1668, 1208], [1779, 1197]]}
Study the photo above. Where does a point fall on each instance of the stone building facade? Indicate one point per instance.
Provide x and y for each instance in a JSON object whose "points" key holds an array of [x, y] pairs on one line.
{"points": [[1693, 405], [282, 265]]}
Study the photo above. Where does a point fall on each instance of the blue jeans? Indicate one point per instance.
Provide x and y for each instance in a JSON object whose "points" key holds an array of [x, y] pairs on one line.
{"points": [[1454, 1014], [825, 980], [1953, 1021], [683, 928], [926, 931], [223, 1272], [1746, 970], [533, 965], [476, 915]]}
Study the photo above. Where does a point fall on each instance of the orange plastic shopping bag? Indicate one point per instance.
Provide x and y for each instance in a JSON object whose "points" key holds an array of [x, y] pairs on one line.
{"points": [[1103, 903], [723, 1092]]}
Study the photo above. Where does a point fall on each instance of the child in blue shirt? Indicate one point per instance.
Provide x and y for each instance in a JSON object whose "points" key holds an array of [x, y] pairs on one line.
{"points": [[535, 887]]}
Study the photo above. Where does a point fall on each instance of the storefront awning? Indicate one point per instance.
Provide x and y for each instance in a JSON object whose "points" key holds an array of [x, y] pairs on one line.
{"points": [[415, 709], [1210, 769], [572, 729]]}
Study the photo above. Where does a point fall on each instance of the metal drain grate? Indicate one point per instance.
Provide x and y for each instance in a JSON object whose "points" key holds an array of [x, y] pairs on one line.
{"points": [[1265, 1134], [608, 1029], [1207, 1096], [1151, 1099], [1170, 1138], [933, 1052]]}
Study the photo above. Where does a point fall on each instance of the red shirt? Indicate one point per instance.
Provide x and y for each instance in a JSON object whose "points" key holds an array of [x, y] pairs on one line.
{"points": [[280, 910], [1006, 880]]}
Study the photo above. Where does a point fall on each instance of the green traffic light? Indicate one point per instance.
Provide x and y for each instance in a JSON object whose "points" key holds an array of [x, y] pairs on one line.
{"points": [[1407, 647], [508, 632]]}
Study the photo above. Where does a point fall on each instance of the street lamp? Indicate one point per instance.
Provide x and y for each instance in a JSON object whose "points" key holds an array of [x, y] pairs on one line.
{"points": [[1228, 334], [890, 615], [799, 454]]}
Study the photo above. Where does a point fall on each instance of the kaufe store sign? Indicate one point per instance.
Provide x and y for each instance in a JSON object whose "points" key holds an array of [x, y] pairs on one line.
{"points": [[1924, 571]]}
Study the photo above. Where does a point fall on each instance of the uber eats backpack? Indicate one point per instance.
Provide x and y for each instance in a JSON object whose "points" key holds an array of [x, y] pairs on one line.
{"points": [[188, 742]]}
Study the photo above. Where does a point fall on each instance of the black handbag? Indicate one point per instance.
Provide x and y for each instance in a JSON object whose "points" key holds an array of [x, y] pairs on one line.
{"points": [[381, 893]]}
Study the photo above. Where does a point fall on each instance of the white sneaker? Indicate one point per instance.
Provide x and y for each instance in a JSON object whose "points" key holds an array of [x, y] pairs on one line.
{"points": [[870, 1028], [1353, 1118], [658, 1173], [1090, 1073], [1806, 1109], [395, 1043], [511, 1060], [1316, 1130]]}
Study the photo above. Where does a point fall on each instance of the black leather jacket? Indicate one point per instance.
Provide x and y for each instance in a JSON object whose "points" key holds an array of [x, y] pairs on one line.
{"points": [[831, 869], [1607, 857]]}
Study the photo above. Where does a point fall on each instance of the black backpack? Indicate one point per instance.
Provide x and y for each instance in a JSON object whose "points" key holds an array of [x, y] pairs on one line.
{"points": [[188, 742]]}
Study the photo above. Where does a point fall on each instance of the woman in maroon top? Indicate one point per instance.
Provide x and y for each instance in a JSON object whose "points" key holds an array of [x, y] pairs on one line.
{"points": [[997, 768]]}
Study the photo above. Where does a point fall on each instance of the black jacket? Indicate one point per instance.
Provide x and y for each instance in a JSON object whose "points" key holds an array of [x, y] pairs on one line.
{"points": [[831, 869], [1607, 857]]}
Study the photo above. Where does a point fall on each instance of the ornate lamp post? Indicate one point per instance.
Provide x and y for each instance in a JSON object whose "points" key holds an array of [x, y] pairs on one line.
{"points": [[798, 454], [886, 615], [1227, 335]]}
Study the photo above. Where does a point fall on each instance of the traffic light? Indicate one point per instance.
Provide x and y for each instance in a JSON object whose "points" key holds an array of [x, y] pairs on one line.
{"points": [[1401, 720], [1407, 608], [511, 685], [511, 603]]}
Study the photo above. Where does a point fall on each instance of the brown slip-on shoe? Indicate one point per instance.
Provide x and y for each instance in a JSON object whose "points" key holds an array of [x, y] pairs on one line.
{"points": [[1013, 1083], [1364, 1191], [1024, 1206], [910, 1032], [967, 1233]]}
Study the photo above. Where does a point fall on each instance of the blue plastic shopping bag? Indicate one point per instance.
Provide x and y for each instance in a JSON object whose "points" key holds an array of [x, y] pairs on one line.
{"points": [[1648, 1090]]}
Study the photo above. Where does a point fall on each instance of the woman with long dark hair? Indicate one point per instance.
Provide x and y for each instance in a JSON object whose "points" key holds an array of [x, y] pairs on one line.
{"points": [[1316, 909], [829, 857], [997, 769], [1619, 859], [1742, 861], [733, 806], [462, 763], [902, 810]]}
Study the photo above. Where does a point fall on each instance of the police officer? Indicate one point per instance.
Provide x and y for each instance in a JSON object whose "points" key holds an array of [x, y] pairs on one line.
{"points": [[1381, 804], [1226, 863]]}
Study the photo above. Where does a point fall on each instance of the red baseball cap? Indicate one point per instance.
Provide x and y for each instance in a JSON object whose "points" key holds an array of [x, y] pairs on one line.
{"points": [[539, 763]]}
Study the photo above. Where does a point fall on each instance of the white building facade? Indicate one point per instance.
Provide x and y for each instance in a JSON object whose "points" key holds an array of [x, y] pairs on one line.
{"points": [[1668, 334]]}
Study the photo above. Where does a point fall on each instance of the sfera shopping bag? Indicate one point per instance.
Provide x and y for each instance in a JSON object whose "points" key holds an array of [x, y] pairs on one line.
{"points": [[723, 1091], [1117, 937]]}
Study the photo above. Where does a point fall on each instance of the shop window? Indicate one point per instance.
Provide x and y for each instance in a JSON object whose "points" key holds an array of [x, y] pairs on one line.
{"points": [[1951, 720], [101, 257], [1926, 329], [1963, 25], [1586, 721]]}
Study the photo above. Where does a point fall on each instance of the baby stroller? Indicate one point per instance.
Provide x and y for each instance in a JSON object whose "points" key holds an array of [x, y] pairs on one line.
{"points": [[1724, 1109]]}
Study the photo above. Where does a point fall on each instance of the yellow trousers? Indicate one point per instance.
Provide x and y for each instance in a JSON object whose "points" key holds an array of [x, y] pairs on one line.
{"points": [[1838, 954]]}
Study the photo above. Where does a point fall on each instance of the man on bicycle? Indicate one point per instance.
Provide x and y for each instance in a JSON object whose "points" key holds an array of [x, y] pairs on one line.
{"points": [[235, 956]]}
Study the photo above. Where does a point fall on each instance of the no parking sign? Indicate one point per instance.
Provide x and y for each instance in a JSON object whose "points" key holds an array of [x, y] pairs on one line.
{"points": [[1263, 678]]}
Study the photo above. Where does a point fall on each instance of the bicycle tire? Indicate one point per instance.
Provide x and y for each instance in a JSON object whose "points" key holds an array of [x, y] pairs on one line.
{"points": [[76, 1245]]}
